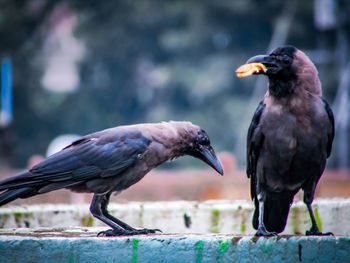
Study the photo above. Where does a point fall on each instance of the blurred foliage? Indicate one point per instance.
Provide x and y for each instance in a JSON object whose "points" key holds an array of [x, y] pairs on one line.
{"points": [[145, 61]]}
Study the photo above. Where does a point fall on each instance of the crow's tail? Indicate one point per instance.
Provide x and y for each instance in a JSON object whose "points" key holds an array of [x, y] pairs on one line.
{"points": [[19, 186], [27, 184], [276, 212], [10, 195]]}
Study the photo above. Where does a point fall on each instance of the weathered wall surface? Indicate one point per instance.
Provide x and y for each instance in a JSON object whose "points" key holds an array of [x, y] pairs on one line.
{"points": [[230, 217], [29, 247]]}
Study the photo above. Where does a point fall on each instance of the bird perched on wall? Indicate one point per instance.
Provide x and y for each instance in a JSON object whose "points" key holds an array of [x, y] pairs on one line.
{"points": [[109, 162], [289, 138]]}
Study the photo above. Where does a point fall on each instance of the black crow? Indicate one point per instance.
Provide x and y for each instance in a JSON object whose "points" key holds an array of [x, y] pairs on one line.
{"points": [[109, 162], [289, 138]]}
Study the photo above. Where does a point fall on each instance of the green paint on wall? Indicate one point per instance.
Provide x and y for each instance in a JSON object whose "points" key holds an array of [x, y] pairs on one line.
{"points": [[215, 214], [263, 246], [222, 249], [74, 255], [135, 243], [199, 246], [317, 218], [267, 244]]}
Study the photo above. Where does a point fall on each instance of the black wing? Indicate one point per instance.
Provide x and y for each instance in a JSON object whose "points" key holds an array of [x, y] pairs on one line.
{"points": [[331, 119], [253, 148], [107, 154]]}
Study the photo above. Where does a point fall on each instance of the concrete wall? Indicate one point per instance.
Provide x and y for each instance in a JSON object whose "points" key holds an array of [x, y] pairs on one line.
{"points": [[172, 248], [48, 233], [231, 217]]}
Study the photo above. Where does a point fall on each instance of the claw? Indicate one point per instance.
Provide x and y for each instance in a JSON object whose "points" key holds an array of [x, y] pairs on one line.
{"points": [[148, 231], [265, 233], [119, 232], [152, 230], [318, 233], [110, 233], [101, 234]]}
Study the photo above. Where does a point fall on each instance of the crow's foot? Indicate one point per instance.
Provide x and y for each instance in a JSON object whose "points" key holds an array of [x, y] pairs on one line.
{"points": [[317, 233], [264, 233], [122, 232]]}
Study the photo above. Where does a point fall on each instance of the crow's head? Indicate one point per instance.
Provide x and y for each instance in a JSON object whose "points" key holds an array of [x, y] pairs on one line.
{"points": [[200, 148], [278, 63], [185, 138], [286, 67]]}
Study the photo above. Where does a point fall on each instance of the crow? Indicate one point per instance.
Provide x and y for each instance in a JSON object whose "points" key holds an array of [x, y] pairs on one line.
{"points": [[110, 161], [289, 139]]}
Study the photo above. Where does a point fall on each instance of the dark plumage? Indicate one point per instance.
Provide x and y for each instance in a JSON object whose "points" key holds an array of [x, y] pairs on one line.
{"points": [[289, 139], [111, 161]]}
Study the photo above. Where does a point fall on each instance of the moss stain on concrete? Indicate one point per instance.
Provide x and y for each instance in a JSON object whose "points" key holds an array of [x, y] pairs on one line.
{"points": [[215, 215], [243, 221], [243, 227], [87, 220], [4, 218], [295, 220], [18, 218], [317, 217], [140, 219], [22, 219]]}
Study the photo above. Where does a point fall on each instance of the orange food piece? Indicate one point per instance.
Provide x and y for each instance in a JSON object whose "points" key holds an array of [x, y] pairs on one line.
{"points": [[249, 69]]}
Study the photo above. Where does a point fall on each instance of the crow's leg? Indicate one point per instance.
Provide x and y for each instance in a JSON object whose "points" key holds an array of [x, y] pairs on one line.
{"points": [[98, 209], [104, 205], [309, 192], [261, 227]]}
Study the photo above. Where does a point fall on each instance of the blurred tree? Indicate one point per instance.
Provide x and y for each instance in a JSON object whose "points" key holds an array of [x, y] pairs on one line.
{"points": [[20, 23], [143, 61]]}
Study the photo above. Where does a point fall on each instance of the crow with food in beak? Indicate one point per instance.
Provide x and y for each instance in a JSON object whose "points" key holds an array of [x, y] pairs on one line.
{"points": [[289, 138]]}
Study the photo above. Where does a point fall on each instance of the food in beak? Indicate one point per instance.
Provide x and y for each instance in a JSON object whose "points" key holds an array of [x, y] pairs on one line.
{"points": [[249, 69]]}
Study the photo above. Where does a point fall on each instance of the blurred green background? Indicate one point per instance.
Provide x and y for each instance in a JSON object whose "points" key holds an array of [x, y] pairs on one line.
{"points": [[82, 66]]}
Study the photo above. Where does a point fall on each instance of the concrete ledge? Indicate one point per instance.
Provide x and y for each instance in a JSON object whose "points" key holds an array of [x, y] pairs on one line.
{"points": [[219, 216], [64, 245]]}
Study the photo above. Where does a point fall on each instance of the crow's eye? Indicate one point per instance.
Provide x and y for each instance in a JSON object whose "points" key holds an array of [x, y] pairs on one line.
{"points": [[202, 139], [205, 141], [285, 59]]}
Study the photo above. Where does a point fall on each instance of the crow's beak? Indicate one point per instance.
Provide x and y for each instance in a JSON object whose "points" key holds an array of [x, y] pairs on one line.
{"points": [[207, 155], [260, 64], [257, 59], [266, 60]]}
